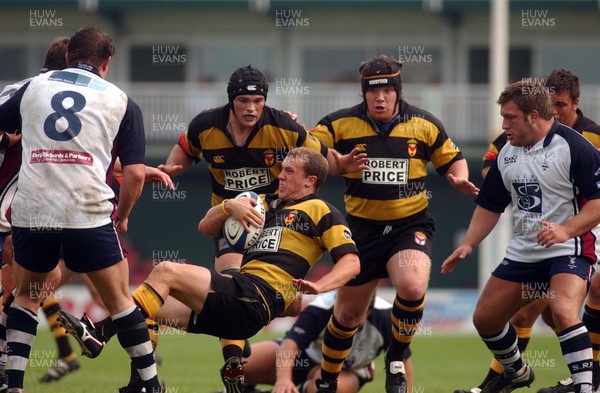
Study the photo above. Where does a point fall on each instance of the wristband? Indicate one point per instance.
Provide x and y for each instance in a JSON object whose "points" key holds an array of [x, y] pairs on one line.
{"points": [[223, 209]]}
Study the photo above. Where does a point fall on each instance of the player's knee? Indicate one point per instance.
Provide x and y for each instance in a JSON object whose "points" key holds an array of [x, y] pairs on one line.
{"points": [[412, 292], [564, 317], [164, 270], [53, 280], [349, 318], [594, 292], [482, 322]]}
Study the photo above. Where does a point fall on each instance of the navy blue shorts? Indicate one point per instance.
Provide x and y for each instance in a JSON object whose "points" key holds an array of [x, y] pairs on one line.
{"points": [[84, 250], [538, 274]]}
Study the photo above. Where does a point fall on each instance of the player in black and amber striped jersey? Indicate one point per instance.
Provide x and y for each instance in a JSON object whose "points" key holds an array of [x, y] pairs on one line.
{"points": [[299, 227], [244, 144], [387, 210]]}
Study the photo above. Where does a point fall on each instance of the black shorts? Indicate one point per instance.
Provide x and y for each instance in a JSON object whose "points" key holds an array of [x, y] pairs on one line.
{"points": [[3, 236], [85, 250], [377, 243], [235, 310], [222, 248]]}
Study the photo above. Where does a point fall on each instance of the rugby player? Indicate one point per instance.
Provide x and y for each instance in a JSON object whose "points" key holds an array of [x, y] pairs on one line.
{"points": [[77, 152], [545, 172], [299, 227], [564, 89], [387, 211]]}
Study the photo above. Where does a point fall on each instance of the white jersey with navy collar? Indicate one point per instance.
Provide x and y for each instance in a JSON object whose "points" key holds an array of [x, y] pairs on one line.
{"points": [[550, 181], [73, 123]]}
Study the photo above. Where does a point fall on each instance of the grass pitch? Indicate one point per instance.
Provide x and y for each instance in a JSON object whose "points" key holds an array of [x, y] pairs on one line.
{"points": [[191, 364]]}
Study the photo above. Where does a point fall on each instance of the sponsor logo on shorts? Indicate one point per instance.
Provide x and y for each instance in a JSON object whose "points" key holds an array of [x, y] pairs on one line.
{"points": [[219, 159], [420, 238]]}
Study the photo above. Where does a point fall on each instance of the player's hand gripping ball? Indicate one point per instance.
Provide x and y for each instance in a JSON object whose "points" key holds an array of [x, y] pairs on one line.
{"points": [[234, 233]]}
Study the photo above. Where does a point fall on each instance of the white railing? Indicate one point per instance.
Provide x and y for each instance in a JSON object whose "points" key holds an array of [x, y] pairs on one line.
{"points": [[463, 109]]}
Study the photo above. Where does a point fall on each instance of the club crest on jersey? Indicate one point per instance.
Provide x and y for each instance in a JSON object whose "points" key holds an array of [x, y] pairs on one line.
{"points": [[269, 156], [412, 147], [529, 195], [290, 217], [420, 238]]}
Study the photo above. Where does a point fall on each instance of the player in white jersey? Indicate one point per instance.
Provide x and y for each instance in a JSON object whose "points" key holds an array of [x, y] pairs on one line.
{"points": [[296, 358], [75, 124], [551, 174]]}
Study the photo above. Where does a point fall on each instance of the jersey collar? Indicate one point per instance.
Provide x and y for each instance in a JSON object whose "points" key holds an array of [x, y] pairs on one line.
{"points": [[86, 67], [273, 201], [551, 133]]}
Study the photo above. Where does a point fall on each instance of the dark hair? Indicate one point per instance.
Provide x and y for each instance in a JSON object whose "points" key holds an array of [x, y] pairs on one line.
{"points": [[381, 71], [561, 80], [90, 45], [55, 56], [529, 95], [247, 81], [314, 164]]}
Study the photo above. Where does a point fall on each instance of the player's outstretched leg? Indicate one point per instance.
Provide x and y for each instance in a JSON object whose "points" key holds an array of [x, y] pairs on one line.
{"points": [[84, 332], [67, 359]]}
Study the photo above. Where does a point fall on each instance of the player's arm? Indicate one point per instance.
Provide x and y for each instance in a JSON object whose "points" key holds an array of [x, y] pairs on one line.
{"points": [[581, 223], [458, 177], [285, 360], [177, 162], [482, 223], [131, 188], [151, 175], [348, 163], [346, 268], [131, 151], [241, 209]]}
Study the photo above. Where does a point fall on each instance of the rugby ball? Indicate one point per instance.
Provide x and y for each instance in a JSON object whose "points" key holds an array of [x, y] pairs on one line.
{"points": [[234, 233]]}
